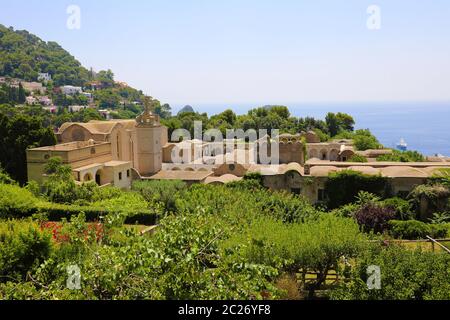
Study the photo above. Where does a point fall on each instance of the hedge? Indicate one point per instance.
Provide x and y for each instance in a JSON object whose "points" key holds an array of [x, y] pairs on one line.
{"points": [[16, 202], [57, 212], [343, 187], [414, 230]]}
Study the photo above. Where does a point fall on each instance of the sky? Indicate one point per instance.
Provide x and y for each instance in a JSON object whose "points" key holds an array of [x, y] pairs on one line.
{"points": [[255, 51]]}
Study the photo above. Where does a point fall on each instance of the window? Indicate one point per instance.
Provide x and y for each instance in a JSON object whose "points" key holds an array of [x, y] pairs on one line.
{"points": [[296, 191], [128, 173], [120, 175]]}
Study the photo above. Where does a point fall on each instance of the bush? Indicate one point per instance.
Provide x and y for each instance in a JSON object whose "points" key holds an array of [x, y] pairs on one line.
{"points": [[405, 275], [402, 156], [5, 178], [365, 140], [16, 201], [163, 191], [413, 230], [403, 208], [343, 187], [357, 158], [374, 217], [300, 247], [240, 206], [23, 246], [347, 211]]}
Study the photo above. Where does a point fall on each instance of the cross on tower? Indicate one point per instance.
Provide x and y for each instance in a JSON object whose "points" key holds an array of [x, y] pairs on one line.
{"points": [[148, 105]]}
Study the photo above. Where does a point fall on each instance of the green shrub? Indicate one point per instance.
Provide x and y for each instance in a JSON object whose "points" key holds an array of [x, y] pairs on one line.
{"points": [[346, 211], [16, 201], [241, 205], [365, 140], [402, 156], [403, 208], [343, 187], [413, 230], [405, 275], [357, 158], [163, 191], [58, 212], [5, 178], [300, 247], [23, 246]]}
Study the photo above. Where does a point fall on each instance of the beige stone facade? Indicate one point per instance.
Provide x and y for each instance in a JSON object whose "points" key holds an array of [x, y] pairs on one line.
{"points": [[107, 152], [119, 151]]}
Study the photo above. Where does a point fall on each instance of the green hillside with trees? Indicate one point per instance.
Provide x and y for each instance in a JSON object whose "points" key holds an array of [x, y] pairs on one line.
{"points": [[24, 55]]}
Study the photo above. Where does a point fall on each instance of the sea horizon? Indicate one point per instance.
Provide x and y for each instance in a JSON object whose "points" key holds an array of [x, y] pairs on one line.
{"points": [[423, 125]]}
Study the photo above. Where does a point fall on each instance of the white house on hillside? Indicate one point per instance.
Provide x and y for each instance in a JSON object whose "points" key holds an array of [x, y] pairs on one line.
{"points": [[71, 90]]}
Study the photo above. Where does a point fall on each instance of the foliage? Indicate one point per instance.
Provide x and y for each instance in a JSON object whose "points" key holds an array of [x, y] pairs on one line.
{"points": [[16, 201], [405, 275], [441, 217], [19, 132], [357, 158], [300, 247], [339, 122], [22, 246], [402, 156], [25, 55], [239, 206], [343, 187], [364, 140], [414, 229], [5, 178], [374, 217], [403, 208], [436, 197], [164, 192], [442, 176]]}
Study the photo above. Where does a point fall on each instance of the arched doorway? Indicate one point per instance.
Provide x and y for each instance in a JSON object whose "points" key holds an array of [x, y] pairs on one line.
{"points": [[87, 177], [99, 177], [334, 155]]}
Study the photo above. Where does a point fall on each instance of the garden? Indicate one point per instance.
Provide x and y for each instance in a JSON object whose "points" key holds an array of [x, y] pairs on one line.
{"points": [[164, 240]]}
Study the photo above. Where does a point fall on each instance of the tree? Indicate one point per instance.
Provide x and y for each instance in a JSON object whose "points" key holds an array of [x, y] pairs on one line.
{"points": [[106, 78], [332, 124], [346, 122], [21, 94], [364, 140]]}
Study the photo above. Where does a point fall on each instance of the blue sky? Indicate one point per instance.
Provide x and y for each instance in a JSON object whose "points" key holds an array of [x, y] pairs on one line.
{"points": [[255, 51]]}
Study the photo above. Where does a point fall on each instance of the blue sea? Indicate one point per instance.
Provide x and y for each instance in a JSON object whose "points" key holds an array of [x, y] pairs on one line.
{"points": [[424, 126]]}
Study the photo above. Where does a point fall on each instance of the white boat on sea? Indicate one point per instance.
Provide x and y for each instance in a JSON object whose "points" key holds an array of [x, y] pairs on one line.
{"points": [[402, 145]]}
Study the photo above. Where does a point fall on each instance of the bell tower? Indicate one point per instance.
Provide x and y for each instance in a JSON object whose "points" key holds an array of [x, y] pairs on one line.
{"points": [[148, 138]]}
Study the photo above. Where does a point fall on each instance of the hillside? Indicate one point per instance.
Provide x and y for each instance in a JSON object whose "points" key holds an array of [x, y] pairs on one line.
{"points": [[24, 55]]}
